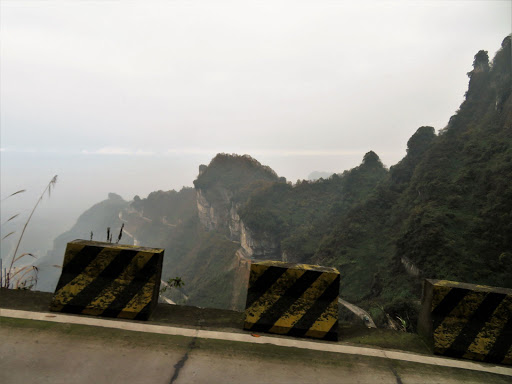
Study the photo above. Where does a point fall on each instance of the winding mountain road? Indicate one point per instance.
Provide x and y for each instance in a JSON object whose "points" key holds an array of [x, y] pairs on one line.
{"points": [[359, 312]]}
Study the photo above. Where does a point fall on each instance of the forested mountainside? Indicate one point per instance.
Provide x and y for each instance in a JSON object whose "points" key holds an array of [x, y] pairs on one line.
{"points": [[297, 216], [444, 211]]}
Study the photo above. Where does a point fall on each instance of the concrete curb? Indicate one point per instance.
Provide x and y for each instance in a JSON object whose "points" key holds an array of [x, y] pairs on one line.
{"points": [[246, 338]]}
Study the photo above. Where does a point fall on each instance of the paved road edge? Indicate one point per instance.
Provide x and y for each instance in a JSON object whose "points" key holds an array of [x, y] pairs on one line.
{"points": [[247, 338]]}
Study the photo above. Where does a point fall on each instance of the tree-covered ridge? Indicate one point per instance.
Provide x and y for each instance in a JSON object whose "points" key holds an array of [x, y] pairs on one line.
{"points": [[234, 171], [167, 206], [460, 198], [298, 215], [445, 211], [360, 241]]}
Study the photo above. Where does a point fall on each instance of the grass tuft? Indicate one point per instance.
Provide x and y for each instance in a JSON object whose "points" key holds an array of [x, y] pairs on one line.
{"points": [[8, 274]]}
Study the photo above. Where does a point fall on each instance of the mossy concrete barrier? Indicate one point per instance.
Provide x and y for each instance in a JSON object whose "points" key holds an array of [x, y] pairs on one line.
{"points": [[467, 321], [293, 299], [105, 279]]}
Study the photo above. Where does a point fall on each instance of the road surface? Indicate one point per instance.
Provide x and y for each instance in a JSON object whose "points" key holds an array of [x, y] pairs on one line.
{"points": [[79, 349], [68, 353]]}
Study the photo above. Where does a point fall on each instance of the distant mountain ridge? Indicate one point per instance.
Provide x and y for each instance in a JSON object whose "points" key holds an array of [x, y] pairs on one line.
{"points": [[315, 175]]}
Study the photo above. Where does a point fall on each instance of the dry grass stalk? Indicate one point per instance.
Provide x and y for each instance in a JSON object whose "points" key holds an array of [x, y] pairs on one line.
{"points": [[7, 279]]}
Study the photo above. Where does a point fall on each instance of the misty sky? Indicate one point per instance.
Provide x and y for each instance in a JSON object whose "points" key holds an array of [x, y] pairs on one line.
{"points": [[131, 97]]}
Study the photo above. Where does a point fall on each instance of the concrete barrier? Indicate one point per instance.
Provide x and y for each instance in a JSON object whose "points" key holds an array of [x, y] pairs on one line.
{"points": [[467, 321], [105, 279], [293, 299]]}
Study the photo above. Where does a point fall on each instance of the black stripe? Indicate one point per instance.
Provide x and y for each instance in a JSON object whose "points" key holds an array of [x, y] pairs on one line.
{"points": [[320, 306], [447, 305], [333, 333], [263, 283], [141, 278], [77, 265], [145, 312], [290, 296], [475, 324], [103, 280], [502, 345]]}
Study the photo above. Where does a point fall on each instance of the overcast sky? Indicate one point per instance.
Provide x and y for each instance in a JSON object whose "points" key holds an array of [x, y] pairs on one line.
{"points": [[144, 91]]}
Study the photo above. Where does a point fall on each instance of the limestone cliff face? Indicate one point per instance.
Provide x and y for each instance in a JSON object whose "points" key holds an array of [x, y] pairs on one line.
{"points": [[205, 211], [213, 207], [235, 223], [259, 245], [222, 188], [216, 210]]}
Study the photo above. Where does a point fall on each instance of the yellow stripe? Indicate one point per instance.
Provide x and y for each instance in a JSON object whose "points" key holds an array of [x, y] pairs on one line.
{"points": [[256, 271], [139, 301], [325, 322], [438, 294], [308, 267], [109, 294], [455, 321], [487, 337], [303, 303], [271, 263], [271, 296], [71, 251], [91, 272], [485, 288], [135, 247]]}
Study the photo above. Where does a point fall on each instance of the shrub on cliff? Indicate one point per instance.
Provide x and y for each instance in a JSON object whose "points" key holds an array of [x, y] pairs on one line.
{"points": [[233, 172]]}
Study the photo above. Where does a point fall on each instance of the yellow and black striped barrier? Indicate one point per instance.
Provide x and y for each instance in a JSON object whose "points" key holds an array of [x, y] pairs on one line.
{"points": [[467, 321], [105, 279], [293, 299]]}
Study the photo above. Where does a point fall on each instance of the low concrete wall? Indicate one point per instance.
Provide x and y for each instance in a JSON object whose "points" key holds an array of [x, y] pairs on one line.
{"points": [[466, 320], [293, 299], [105, 279]]}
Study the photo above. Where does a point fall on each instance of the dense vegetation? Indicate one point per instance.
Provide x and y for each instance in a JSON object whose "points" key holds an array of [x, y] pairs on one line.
{"points": [[446, 207], [168, 207], [299, 215], [234, 171]]}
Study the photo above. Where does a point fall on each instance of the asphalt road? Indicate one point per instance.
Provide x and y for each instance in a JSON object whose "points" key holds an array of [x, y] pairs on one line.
{"points": [[34, 351]]}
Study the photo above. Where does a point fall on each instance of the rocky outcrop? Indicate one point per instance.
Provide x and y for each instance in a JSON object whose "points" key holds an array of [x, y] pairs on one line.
{"points": [[213, 208], [259, 246], [410, 268], [221, 212], [235, 223], [205, 211], [222, 188]]}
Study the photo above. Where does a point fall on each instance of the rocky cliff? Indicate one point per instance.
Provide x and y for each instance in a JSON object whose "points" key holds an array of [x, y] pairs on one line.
{"points": [[259, 245], [221, 189]]}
